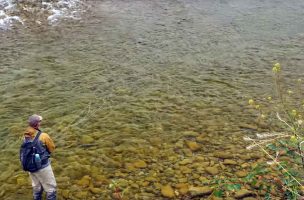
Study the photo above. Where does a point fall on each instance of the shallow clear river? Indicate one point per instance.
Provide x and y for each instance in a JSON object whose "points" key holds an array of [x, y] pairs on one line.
{"points": [[127, 86]]}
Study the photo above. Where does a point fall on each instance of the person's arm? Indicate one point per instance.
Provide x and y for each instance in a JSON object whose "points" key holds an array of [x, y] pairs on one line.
{"points": [[46, 139]]}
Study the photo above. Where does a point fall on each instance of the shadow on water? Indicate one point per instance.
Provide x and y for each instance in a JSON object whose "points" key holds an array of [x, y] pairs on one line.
{"points": [[135, 88]]}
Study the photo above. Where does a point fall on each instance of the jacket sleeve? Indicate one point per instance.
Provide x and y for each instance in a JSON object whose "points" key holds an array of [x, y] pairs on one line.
{"points": [[46, 139]]}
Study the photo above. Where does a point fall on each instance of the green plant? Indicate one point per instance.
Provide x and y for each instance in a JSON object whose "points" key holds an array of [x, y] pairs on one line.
{"points": [[286, 143], [283, 145], [117, 191]]}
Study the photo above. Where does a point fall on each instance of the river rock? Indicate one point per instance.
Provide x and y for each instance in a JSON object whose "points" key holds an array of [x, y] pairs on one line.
{"points": [[96, 190], [193, 146], [200, 191], [223, 155], [190, 134], [183, 188], [212, 170], [242, 194], [81, 195], [65, 193], [241, 174], [140, 164], [185, 170], [167, 191], [229, 162], [21, 181], [85, 181], [185, 162]]}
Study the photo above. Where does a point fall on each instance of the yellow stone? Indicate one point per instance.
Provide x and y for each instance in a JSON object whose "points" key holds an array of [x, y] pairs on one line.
{"points": [[85, 181], [183, 188], [140, 164], [22, 181], [193, 146], [145, 183], [167, 191], [65, 193], [96, 190], [130, 167]]}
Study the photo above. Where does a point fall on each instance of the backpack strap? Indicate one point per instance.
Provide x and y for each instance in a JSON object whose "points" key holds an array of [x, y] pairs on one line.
{"points": [[36, 137]]}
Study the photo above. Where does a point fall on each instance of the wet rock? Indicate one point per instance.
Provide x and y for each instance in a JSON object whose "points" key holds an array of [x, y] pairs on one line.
{"points": [[21, 181], [248, 126], [65, 193], [185, 162], [81, 195], [187, 152], [140, 164], [156, 141], [96, 190], [245, 157], [193, 146], [241, 174], [212, 170], [183, 188], [167, 191], [185, 170], [223, 155], [84, 182], [229, 162], [242, 194], [190, 134], [200, 191]]}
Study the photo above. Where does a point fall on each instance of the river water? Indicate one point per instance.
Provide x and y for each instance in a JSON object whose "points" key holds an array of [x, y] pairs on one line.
{"points": [[125, 82]]}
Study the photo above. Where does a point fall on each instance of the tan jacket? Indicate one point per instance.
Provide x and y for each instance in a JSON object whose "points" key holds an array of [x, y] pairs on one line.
{"points": [[44, 138]]}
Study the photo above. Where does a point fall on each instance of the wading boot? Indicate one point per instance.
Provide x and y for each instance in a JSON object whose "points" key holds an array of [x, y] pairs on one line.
{"points": [[51, 195], [38, 194]]}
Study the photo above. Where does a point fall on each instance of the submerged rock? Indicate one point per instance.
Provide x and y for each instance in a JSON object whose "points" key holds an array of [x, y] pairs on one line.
{"points": [[140, 164], [167, 191], [200, 191], [242, 193], [212, 170], [193, 146]]}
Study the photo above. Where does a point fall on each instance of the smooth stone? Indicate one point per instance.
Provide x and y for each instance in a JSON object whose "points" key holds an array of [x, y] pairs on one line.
{"points": [[229, 162], [242, 193], [65, 193], [223, 155], [193, 146], [190, 134], [199, 191], [185, 162], [187, 152], [185, 170], [140, 164], [167, 191], [212, 170], [183, 188], [241, 174], [85, 181], [81, 195], [21, 181], [96, 190]]}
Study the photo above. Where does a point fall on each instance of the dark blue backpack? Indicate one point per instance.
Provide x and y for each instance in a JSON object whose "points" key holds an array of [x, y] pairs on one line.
{"points": [[28, 154]]}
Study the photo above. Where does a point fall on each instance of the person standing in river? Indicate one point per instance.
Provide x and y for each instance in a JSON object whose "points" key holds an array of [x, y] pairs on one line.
{"points": [[43, 179]]}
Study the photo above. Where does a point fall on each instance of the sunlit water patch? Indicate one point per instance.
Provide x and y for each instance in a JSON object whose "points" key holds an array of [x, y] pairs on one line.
{"points": [[40, 12]]}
